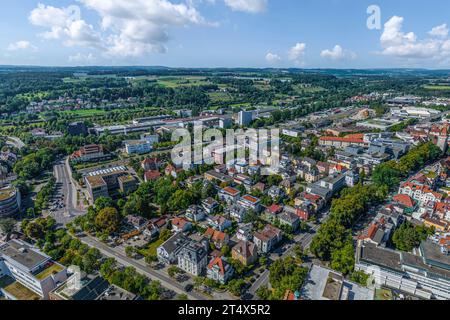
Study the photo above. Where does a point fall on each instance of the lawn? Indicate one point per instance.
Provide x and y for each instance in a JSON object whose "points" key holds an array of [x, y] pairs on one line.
{"points": [[53, 269], [20, 292], [83, 112], [151, 248], [383, 294]]}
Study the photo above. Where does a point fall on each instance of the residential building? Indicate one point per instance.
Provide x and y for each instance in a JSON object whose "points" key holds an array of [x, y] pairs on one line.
{"points": [[192, 258], [267, 239], [138, 147], [229, 195], [218, 238], [245, 252], [290, 219], [89, 153], [250, 203], [210, 205], [236, 212], [151, 175], [219, 270], [195, 213], [244, 232], [219, 223], [181, 225], [167, 253], [419, 192]]}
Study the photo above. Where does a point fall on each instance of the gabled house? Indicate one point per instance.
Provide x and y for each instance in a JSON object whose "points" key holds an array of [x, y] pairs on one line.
{"points": [[151, 175], [181, 225], [272, 212], [219, 238], [219, 270], [245, 252]]}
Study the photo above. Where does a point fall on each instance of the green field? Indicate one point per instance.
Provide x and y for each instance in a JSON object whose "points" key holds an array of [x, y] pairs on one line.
{"points": [[83, 112], [437, 87]]}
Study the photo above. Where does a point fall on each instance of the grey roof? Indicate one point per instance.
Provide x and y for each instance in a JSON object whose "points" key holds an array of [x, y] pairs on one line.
{"points": [[92, 290], [383, 257], [434, 256], [22, 253], [174, 243], [193, 252]]}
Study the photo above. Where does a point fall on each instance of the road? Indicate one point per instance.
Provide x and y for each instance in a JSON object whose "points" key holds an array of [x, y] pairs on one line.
{"points": [[66, 192], [141, 267], [303, 239]]}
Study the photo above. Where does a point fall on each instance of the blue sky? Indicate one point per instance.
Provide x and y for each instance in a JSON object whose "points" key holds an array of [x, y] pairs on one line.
{"points": [[225, 33]]}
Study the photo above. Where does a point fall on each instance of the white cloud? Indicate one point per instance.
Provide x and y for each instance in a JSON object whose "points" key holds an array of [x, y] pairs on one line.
{"points": [[406, 45], [439, 31], [65, 24], [337, 53], [272, 58], [21, 45], [250, 6], [82, 59], [142, 26], [297, 52]]}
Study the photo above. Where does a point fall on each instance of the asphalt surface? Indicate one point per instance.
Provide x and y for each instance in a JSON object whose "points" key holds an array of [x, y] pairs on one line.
{"points": [[141, 267]]}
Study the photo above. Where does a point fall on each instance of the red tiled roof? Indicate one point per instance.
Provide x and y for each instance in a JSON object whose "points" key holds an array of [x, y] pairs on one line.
{"points": [[405, 200], [152, 175], [274, 208], [219, 262]]}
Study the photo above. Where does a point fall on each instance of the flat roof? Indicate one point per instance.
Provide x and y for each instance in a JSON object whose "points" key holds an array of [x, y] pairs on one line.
{"points": [[23, 254], [7, 193], [433, 255], [96, 181], [107, 171], [20, 292]]}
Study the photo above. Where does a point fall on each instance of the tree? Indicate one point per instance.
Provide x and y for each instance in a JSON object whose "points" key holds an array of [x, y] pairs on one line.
{"points": [[172, 271], [108, 220], [236, 286], [103, 202], [343, 260], [408, 236], [7, 226], [130, 251]]}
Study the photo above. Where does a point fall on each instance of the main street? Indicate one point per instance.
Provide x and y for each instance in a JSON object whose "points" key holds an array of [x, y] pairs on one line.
{"points": [[141, 267]]}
